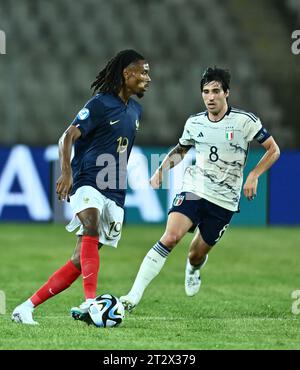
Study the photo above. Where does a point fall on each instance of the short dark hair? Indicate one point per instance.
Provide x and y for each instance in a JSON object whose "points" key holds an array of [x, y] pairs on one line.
{"points": [[216, 74], [110, 78]]}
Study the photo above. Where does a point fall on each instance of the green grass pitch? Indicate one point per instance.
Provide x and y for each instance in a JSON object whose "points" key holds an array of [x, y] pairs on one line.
{"points": [[245, 300]]}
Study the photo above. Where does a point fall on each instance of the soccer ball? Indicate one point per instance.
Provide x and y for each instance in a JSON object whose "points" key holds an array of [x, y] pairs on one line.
{"points": [[106, 311]]}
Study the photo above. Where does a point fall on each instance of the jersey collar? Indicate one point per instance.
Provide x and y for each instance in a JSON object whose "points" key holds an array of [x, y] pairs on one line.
{"points": [[226, 114]]}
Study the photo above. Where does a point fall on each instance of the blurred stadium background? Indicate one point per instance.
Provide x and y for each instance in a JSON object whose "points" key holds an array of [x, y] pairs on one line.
{"points": [[54, 49]]}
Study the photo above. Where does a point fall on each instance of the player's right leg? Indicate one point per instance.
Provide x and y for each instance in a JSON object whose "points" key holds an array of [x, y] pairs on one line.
{"points": [[57, 282], [177, 226]]}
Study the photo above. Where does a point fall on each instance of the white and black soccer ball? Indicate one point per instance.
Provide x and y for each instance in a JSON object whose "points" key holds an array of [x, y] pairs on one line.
{"points": [[106, 311]]}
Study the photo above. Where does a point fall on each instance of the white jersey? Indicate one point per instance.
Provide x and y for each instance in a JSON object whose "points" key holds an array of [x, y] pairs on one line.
{"points": [[221, 153]]}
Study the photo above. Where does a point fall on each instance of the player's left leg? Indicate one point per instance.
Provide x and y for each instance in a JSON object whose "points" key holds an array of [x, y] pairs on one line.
{"points": [[89, 259], [109, 233], [212, 227], [197, 258], [77, 312]]}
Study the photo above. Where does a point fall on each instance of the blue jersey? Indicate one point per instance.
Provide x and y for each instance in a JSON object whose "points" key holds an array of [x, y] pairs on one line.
{"points": [[108, 127]]}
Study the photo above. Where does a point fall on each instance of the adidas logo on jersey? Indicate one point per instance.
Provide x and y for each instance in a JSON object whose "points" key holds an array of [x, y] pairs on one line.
{"points": [[200, 134]]}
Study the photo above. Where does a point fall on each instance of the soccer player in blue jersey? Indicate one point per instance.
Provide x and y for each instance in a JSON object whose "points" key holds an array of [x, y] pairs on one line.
{"points": [[211, 188], [94, 182]]}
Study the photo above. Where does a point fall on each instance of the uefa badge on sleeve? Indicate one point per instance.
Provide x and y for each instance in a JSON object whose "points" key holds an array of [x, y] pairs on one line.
{"points": [[83, 114], [178, 200]]}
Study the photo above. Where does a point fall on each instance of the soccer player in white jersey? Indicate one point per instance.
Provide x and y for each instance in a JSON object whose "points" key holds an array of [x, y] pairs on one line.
{"points": [[211, 188]]}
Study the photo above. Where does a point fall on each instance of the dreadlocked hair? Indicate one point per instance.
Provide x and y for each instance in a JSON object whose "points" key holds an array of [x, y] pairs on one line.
{"points": [[110, 79]]}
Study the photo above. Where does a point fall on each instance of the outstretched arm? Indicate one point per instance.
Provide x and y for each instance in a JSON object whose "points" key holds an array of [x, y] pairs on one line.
{"points": [[65, 181], [269, 158], [174, 157]]}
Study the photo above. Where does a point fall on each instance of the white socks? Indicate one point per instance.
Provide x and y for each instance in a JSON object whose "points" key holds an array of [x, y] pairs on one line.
{"points": [[150, 267], [89, 300], [28, 304], [191, 268]]}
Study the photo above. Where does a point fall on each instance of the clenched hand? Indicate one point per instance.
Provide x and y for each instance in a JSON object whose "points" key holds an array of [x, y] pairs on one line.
{"points": [[156, 179], [63, 187]]}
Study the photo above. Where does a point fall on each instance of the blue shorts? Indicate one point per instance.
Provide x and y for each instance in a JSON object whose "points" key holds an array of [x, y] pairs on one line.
{"points": [[211, 219]]}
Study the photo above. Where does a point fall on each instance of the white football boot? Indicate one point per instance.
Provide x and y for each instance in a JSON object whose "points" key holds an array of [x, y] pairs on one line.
{"points": [[192, 278], [22, 314], [82, 312], [128, 302]]}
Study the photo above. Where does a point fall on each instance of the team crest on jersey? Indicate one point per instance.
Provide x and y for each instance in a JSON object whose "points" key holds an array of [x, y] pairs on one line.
{"points": [[83, 114], [178, 200], [229, 133]]}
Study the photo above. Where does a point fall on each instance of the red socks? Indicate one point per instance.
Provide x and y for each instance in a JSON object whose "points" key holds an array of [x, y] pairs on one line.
{"points": [[59, 281], [90, 261]]}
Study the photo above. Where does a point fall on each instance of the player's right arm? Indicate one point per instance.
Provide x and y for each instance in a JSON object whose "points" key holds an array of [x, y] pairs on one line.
{"points": [[65, 181], [174, 157]]}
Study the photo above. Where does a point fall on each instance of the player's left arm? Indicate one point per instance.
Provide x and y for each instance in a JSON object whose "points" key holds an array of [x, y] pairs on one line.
{"points": [[268, 159]]}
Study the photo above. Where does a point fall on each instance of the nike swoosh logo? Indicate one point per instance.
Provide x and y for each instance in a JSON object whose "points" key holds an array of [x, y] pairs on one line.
{"points": [[113, 122], [85, 277]]}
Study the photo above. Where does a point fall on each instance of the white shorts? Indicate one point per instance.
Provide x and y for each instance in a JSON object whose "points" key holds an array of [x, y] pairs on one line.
{"points": [[111, 215]]}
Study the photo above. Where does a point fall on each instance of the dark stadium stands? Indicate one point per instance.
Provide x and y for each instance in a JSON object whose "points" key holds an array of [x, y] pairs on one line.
{"points": [[56, 48]]}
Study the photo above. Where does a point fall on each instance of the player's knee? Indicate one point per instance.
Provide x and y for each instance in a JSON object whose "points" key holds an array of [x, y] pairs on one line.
{"points": [[91, 227], [91, 230], [90, 222], [75, 259], [170, 239]]}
